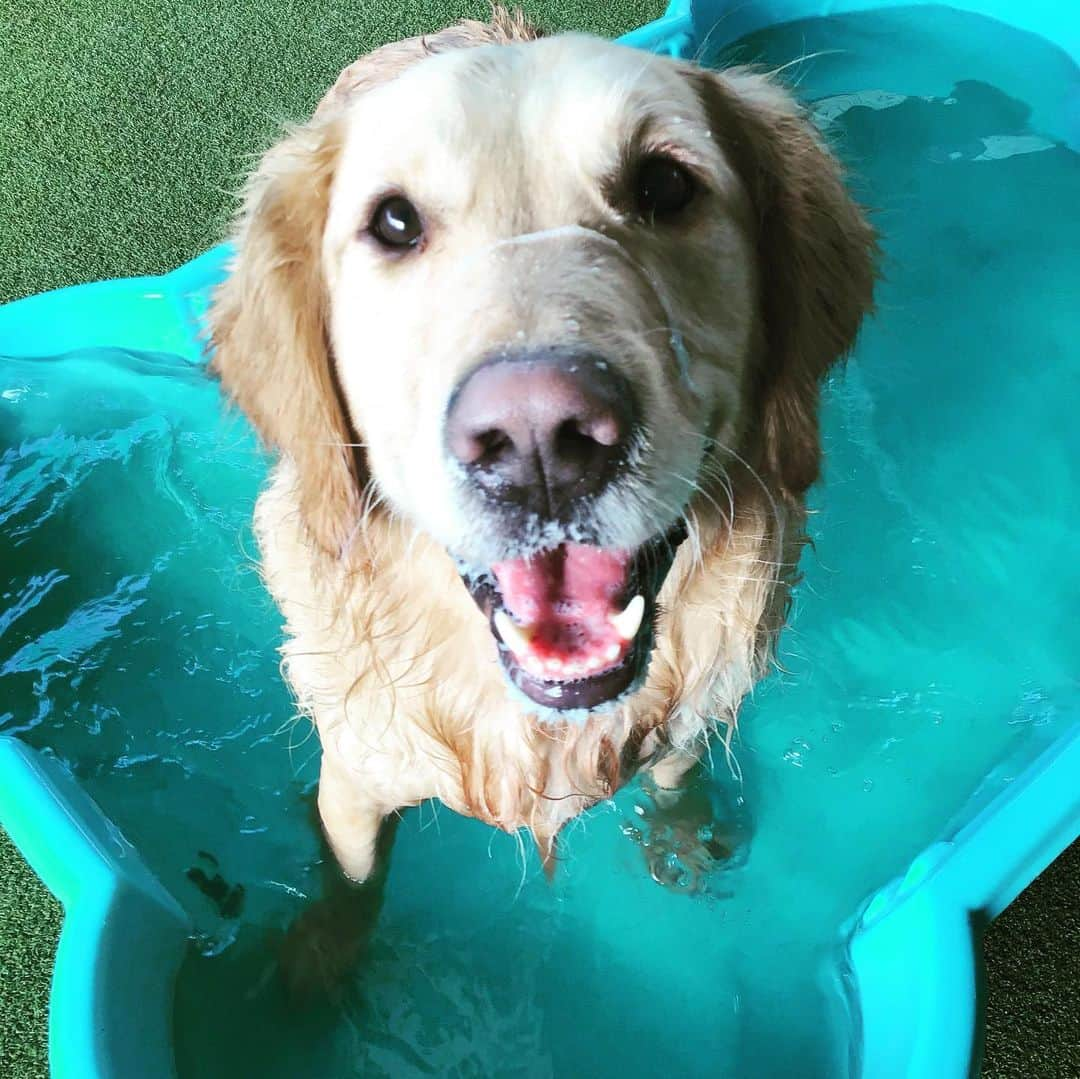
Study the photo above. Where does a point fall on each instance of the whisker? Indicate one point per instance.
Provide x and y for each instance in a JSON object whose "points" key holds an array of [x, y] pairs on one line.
{"points": [[702, 50]]}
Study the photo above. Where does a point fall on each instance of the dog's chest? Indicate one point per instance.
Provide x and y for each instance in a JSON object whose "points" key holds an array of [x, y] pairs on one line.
{"points": [[543, 775]]}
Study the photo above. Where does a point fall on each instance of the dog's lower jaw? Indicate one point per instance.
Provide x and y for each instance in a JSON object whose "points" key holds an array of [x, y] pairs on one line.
{"points": [[552, 716]]}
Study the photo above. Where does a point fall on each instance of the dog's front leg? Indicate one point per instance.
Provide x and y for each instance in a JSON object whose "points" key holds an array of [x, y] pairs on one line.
{"points": [[327, 941], [351, 820], [669, 774]]}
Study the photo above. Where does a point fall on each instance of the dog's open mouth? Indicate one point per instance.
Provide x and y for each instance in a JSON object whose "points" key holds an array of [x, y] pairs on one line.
{"points": [[575, 623]]}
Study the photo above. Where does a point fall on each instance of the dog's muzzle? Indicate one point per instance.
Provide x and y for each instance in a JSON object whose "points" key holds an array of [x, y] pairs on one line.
{"points": [[540, 435]]}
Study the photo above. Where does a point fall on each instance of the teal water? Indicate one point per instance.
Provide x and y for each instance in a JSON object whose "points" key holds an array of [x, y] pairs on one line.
{"points": [[931, 653]]}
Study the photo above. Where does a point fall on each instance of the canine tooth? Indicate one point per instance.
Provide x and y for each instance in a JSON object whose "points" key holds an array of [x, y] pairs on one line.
{"points": [[626, 624], [515, 637]]}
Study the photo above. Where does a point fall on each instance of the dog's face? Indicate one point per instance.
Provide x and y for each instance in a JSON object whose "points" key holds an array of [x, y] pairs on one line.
{"points": [[526, 244], [536, 274]]}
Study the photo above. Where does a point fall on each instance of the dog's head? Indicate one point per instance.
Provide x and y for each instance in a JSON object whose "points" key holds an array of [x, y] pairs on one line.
{"points": [[538, 296]]}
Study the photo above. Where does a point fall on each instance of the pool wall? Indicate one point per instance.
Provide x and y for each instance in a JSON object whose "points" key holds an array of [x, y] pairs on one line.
{"points": [[913, 950]]}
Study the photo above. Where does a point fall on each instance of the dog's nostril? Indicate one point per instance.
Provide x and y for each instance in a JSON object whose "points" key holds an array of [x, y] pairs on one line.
{"points": [[576, 437], [479, 449], [492, 445]]}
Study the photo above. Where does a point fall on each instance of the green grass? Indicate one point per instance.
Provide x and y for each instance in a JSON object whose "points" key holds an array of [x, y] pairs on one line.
{"points": [[129, 123], [29, 924]]}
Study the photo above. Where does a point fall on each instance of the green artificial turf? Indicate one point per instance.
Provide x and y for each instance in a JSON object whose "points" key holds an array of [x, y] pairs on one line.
{"points": [[126, 124], [1032, 955], [124, 127], [29, 924]]}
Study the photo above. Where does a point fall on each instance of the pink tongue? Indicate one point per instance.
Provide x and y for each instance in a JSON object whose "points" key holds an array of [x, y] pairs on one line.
{"points": [[566, 594]]}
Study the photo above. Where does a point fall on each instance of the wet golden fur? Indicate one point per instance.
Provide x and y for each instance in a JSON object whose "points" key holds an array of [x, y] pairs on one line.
{"points": [[386, 651]]}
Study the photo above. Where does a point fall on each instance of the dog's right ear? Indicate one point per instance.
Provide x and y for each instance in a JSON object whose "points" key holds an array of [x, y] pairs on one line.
{"points": [[269, 320], [268, 324]]}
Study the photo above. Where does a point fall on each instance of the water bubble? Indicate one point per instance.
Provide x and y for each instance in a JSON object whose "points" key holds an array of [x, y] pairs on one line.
{"points": [[672, 872], [797, 752], [1035, 709]]}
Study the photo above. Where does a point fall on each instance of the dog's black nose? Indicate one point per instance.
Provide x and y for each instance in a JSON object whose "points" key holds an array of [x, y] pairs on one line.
{"points": [[542, 429]]}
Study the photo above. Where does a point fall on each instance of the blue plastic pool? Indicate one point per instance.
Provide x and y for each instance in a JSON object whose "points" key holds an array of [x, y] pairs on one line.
{"points": [[915, 769]]}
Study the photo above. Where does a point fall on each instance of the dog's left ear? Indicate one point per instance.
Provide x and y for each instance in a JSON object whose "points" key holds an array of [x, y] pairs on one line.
{"points": [[816, 254]]}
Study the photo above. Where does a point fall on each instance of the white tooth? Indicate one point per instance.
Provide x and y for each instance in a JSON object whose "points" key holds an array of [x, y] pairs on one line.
{"points": [[612, 653], [626, 624], [515, 637], [555, 666]]}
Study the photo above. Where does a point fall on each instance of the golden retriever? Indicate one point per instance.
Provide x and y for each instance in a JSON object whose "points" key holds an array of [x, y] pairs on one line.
{"points": [[537, 325]]}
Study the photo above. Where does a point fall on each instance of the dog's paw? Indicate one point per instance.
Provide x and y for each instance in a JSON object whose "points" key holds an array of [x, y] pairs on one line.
{"points": [[684, 840], [683, 858], [321, 950]]}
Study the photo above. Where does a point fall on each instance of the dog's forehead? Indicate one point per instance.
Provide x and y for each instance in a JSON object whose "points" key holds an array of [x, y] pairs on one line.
{"points": [[572, 96]]}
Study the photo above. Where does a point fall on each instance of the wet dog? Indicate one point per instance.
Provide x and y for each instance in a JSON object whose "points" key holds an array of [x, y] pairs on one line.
{"points": [[537, 325]]}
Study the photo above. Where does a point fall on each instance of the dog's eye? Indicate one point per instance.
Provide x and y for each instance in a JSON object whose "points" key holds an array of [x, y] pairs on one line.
{"points": [[664, 188], [396, 223]]}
